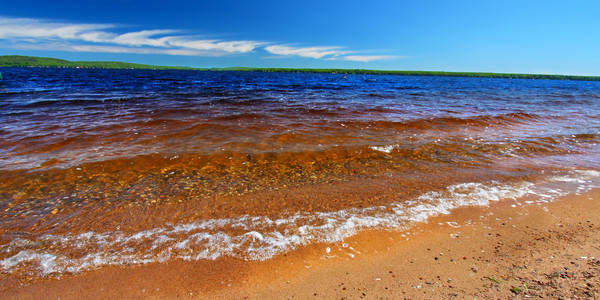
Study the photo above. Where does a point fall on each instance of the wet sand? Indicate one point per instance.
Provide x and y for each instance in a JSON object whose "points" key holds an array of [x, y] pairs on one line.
{"points": [[550, 250]]}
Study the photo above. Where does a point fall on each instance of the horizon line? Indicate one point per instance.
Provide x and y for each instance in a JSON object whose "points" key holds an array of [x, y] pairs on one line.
{"points": [[281, 69]]}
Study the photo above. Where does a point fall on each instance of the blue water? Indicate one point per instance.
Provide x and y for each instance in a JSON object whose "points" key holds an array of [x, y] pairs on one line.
{"points": [[42, 106], [103, 167]]}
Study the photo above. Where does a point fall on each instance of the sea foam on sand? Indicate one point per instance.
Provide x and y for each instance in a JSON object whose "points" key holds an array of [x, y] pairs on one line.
{"points": [[259, 237]]}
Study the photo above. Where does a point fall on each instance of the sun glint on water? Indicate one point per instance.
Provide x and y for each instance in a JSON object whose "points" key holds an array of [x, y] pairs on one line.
{"points": [[117, 167]]}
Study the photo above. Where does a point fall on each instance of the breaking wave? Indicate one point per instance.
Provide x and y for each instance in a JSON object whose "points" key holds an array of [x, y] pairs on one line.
{"points": [[259, 237]]}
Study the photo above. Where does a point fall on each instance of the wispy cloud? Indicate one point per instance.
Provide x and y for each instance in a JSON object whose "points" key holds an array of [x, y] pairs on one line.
{"points": [[312, 52], [97, 38], [368, 58], [20, 28], [153, 38], [327, 53], [25, 33]]}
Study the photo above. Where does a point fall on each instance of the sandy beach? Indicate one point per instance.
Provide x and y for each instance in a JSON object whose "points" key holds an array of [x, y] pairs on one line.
{"points": [[502, 251]]}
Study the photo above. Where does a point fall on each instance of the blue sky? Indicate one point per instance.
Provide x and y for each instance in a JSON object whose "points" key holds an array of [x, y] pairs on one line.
{"points": [[526, 36]]}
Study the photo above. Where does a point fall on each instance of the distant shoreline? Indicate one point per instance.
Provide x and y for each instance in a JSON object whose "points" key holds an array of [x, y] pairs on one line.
{"points": [[31, 61]]}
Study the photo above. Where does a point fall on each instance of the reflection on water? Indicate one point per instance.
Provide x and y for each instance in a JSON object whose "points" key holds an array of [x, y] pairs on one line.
{"points": [[113, 155]]}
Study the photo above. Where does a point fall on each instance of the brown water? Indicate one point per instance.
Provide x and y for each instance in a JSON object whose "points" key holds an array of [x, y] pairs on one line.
{"points": [[107, 167]]}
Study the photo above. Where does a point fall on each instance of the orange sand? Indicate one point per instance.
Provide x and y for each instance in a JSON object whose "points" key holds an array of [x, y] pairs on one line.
{"points": [[549, 250]]}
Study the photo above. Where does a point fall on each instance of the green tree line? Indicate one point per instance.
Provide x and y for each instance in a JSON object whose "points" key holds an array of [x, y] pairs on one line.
{"points": [[30, 61]]}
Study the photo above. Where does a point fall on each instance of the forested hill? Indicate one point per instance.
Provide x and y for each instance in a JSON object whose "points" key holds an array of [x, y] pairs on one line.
{"points": [[30, 61]]}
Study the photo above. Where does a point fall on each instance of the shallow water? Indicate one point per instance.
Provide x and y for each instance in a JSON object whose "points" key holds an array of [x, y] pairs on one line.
{"points": [[104, 167]]}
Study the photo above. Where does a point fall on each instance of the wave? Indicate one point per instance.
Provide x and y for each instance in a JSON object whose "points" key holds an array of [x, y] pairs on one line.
{"points": [[453, 148], [111, 142], [259, 237], [477, 121]]}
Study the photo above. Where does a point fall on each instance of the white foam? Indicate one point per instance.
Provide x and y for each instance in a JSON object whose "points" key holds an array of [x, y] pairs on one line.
{"points": [[260, 238], [578, 176], [386, 149]]}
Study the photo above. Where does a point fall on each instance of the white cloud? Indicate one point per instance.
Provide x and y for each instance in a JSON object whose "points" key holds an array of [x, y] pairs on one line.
{"points": [[121, 49], [368, 58], [312, 52], [209, 45], [96, 36], [25, 33], [16, 28], [152, 38], [328, 53]]}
